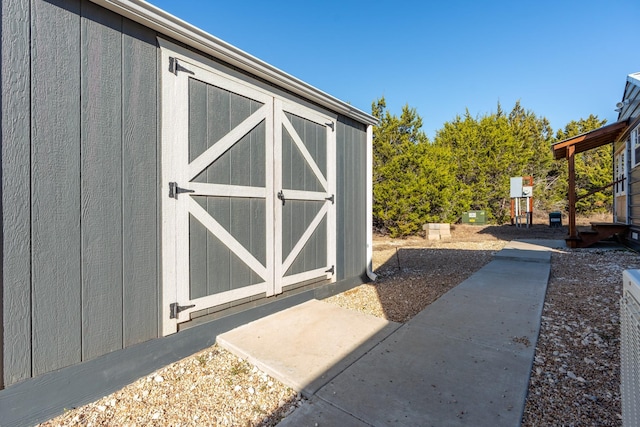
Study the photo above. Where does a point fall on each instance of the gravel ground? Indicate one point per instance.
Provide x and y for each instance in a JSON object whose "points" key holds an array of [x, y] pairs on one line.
{"points": [[210, 388], [574, 382]]}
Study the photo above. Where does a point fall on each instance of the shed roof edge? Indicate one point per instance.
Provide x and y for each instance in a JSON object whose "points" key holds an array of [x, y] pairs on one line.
{"points": [[169, 25]]}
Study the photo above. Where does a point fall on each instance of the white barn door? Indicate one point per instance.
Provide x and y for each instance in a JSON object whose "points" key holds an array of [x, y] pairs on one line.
{"points": [[247, 190]]}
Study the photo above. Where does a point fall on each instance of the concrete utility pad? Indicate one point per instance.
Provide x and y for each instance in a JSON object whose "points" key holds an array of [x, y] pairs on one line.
{"points": [[307, 345]]}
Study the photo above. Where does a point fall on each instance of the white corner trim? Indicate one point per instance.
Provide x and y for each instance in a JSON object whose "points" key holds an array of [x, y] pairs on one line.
{"points": [[369, 206], [169, 25]]}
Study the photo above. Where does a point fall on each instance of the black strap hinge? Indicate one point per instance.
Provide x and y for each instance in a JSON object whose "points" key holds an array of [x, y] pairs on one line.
{"points": [[174, 190], [332, 270], [174, 66], [331, 199], [281, 196], [174, 309]]}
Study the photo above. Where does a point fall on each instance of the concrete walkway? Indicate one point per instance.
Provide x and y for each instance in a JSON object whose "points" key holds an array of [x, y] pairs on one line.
{"points": [[464, 360]]}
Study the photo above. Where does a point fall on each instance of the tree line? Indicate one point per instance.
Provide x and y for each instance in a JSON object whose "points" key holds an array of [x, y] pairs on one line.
{"points": [[469, 163]]}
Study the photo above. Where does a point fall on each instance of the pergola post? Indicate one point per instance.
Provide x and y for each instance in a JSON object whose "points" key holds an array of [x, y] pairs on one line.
{"points": [[573, 232], [618, 131]]}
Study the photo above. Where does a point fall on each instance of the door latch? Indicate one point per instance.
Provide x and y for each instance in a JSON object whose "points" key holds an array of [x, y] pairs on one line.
{"points": [[174, 309], [174, 190], [281, 196]]}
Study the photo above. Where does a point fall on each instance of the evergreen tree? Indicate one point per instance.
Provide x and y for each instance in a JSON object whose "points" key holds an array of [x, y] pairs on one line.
{"points": [[411, 180], [489, 150], [469, 165]]}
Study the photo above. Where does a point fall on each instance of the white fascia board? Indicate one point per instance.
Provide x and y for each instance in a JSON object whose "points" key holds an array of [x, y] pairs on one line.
{"points": [[169, 25], [634, 78]]}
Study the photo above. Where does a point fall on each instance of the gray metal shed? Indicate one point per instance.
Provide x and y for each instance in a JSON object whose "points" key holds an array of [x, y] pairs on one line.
{"points": [[159, 186]]}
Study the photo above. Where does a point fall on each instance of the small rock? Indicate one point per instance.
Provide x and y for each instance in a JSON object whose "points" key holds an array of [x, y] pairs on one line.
{"points": [[102, 408], [158, 379], [572, 375]]}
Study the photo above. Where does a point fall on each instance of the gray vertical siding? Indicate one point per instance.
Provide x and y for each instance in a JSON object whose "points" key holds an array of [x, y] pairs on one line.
{"points": [[15, 247], [55, 185], [351, 198], [101, 173], [79, 185], [139, 184]]}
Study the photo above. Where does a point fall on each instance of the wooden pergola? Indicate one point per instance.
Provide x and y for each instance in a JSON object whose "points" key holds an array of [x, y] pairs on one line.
{"points": [[578, 144]]}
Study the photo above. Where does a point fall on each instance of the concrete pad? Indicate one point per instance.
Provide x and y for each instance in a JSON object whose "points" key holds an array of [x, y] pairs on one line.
{"points": [[307, 345], [316, 412], [493, 321], [538, 244], [508, 279], [524, 255], [427, 378], [532, 250]]}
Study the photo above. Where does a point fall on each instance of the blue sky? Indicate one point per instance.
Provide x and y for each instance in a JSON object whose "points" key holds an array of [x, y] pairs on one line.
{"points": [[562, 59]]}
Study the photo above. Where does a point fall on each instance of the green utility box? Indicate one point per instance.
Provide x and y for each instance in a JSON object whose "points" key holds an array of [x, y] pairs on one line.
{"points": [[555, 219], [474, 218]]}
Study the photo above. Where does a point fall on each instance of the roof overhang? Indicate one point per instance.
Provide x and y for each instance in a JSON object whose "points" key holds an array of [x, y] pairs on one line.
{"points": [[590, 140], [167, 24]]}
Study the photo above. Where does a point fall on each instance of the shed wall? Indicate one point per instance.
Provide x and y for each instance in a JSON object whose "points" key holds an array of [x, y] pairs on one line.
{"points": [[351, 199], [80, 175], [79, 221]]}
